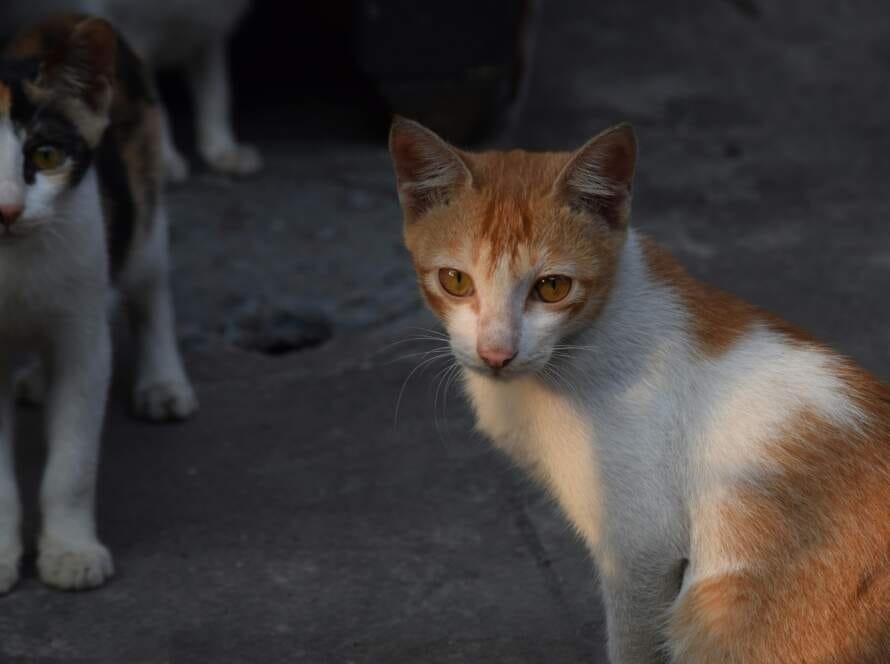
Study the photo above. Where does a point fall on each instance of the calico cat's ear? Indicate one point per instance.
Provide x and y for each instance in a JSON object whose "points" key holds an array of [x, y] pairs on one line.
{"points": [[599, 177], [83, 64], [428, 170]]}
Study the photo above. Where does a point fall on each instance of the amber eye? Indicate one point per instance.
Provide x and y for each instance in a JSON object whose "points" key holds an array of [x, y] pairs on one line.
{"points": [[456, 282], [554, 288], [47, 157]]}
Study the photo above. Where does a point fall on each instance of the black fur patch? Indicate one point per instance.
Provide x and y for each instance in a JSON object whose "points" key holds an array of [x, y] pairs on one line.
{"points": [[14, 70], [48, 127], [117, 200]]}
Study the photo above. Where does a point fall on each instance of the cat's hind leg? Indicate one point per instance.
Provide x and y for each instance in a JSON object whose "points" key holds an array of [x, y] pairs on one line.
{"points": [[176, 167], [162, 390], [208, 78]]}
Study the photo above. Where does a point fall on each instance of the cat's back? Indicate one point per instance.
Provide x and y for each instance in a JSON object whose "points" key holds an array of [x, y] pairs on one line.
{"points": [[787, 483], [171, 33], [166, 33]]}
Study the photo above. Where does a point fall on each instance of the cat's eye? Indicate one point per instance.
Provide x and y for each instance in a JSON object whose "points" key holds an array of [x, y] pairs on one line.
{"points": [[47, 157], [553, 288], [456, 282]]}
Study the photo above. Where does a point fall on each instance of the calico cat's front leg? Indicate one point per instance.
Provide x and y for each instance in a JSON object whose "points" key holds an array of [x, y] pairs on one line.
{"points": [[10, 508], [70, 556]]}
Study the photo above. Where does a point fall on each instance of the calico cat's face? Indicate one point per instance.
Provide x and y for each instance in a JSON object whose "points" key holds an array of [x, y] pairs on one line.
{"points": [[55, 92], [515, 252]]}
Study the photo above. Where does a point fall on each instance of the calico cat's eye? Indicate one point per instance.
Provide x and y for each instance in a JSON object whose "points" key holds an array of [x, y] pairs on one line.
{"points": [[553, 288], [456, 282], [47, 157]]}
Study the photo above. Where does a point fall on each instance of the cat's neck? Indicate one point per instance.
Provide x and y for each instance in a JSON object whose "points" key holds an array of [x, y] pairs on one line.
{"points": [[643, 323]]}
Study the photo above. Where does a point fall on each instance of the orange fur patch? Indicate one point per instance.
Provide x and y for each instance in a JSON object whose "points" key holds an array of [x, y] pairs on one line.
{"points": [[718, 319], [5, 99], [512, 211], [814, 539]]}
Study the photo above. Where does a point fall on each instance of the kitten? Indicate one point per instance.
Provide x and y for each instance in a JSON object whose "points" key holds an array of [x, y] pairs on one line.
{"points": [[730, 476], [80, 206], [191, 35]]}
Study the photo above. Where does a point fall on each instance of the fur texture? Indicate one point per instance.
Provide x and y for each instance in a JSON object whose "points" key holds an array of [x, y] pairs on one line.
{"points": [[730, 476], [191, 35], [91, 216]]}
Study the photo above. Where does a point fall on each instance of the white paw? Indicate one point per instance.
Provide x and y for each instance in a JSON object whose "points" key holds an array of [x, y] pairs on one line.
{"points": [[74, 565], [234, 160], [176, 168], [9, 570], [161, 400], [30, 386]]}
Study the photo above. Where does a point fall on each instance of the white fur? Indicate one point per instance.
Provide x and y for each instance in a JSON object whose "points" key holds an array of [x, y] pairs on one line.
{"points": [[191, 35], [640, 436], [54, 302]]}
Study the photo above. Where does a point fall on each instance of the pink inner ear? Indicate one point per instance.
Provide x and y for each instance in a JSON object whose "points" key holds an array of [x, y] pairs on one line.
{"points": [[427, 168]]}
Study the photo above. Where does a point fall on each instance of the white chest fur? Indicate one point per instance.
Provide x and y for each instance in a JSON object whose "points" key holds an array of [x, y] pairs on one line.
{"points": [[57, 271], [550, 437], [648, 432]]}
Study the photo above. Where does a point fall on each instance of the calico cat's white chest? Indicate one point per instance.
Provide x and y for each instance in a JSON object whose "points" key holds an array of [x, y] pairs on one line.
{"points": [[548, 435]]}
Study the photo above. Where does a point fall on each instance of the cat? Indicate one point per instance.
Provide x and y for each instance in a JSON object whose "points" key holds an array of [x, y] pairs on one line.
{"points": [[729, 475], [191, 35], [81, 207]]}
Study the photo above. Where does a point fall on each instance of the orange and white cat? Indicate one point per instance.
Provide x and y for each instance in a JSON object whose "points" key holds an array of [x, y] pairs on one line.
{"points": [[730, 476]]}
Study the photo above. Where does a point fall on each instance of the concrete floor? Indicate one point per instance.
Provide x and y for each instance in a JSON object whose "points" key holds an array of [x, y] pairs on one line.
{"points": [[297, 519]]}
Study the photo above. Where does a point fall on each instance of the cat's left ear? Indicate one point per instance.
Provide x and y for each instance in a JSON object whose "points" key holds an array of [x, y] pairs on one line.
{"points": [[599, 177], [428, 170]]}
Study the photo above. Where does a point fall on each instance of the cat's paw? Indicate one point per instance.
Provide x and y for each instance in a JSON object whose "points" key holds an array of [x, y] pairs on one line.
{"points": [[161, 401], [176, 168], [30, 386], [9, 569], [239, 159], [73, 565]]}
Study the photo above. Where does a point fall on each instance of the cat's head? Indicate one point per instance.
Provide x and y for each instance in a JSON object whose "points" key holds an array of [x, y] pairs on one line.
{"points": [[514, 251], [55, 95]]}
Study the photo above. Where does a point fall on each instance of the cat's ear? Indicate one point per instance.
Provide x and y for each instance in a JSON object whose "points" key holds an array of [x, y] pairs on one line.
{"points": [[428, 170], [83, 65], [599, 177]]}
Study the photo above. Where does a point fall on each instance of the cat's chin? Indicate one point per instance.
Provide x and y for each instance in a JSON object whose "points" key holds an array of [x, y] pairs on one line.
{"points": [[498, 375]]}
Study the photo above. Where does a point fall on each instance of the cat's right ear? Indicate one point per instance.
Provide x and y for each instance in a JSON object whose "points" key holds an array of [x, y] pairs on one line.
{"points": [[428, 170]]}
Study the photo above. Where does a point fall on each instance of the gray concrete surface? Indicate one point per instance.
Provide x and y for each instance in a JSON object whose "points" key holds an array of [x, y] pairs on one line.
{"points": [[295, 520]]}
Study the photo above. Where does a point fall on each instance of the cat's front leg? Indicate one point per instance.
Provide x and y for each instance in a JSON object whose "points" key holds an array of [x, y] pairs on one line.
{"points": [[70, 556], [10, 508], [162, 391], [176, 168], [636, 606], [208, 77]]}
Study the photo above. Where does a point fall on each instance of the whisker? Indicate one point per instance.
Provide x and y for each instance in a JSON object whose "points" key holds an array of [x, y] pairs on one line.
{"points": [[422, 364], [439, 351]]}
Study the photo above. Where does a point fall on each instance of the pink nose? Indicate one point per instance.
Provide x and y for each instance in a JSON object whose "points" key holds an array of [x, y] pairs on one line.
{"points": [[495, 357], [9, 214]]}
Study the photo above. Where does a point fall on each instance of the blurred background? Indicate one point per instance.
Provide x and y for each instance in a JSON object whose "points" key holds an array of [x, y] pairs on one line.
{"points": [[300, 518]]}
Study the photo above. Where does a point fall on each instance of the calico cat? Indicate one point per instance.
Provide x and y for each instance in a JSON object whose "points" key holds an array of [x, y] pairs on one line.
{"points": [[191, 35], [730, 475], [81, 208]]}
